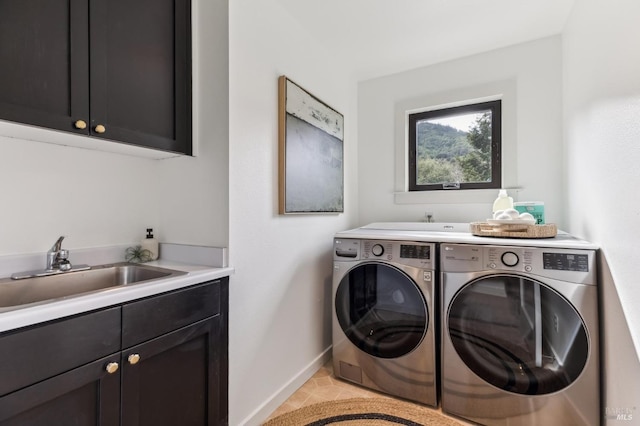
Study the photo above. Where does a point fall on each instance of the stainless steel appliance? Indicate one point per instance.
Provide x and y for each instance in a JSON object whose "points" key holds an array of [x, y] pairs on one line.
{"points": [[384, 327], [520, 335]]}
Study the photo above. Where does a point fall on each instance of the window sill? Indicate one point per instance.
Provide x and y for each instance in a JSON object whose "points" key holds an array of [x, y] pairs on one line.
{"points": [[451, 196]]}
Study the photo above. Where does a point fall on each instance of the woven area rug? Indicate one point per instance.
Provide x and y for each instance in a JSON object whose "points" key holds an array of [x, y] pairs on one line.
{"points": [[363, 411]]}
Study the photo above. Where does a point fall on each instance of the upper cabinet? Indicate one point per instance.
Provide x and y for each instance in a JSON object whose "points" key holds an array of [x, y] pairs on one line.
{"points": [[113, 69]]}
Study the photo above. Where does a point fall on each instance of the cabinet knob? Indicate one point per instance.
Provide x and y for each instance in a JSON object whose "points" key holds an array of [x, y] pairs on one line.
{"points": [[133, 359], [112, 367], [100, 128], [80, 124]]}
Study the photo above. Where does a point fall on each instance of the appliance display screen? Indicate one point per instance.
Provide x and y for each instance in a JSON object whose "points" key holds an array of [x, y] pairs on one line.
{"points": [[566, 262], [415, 252]]}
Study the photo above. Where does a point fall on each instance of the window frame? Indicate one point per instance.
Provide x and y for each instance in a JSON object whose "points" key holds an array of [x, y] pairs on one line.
{"points": [[495, 106]]}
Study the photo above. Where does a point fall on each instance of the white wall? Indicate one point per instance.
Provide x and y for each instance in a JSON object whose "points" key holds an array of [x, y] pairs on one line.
{"points": [[602, 127], [280, 294], [91, 197], [534, 145], [195, 190]]}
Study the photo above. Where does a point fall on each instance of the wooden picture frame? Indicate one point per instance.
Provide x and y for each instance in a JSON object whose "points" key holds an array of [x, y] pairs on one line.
{"points": [[311, 152]]}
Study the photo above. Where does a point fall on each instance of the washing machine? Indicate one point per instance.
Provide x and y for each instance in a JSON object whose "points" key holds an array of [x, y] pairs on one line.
{"points": [[384, 331], [520, 341]]}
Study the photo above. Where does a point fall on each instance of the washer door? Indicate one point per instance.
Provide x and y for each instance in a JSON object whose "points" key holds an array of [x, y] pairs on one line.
{"points": [[518, 334], [381, 310]]}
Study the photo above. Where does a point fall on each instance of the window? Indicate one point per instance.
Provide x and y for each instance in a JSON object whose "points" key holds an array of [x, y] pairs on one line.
{"points": [[456, 148]]}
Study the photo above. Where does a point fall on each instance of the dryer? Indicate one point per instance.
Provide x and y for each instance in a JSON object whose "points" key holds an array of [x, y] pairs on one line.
{"points": [[520, 338], [384, 331]]}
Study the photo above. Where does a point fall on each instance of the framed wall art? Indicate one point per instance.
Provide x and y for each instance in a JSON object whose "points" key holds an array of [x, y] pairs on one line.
{"points": [[311, 136]]}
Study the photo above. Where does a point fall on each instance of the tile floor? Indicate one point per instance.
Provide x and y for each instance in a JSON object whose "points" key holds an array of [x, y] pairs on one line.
{"points": [[324, 386]]}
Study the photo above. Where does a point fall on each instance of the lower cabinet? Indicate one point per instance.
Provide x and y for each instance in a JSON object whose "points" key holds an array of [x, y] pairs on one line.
{"points": [[171, 367], [84, 396], [166, 381]]}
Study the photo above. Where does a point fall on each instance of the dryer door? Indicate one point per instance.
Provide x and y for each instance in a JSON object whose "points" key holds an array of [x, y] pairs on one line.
{"points": [[381, 310], [518, 334]]}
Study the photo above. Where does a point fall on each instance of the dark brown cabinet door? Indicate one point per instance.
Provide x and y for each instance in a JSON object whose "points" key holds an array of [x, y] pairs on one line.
{"points": [[141, 72], [175, 379], [112, 69], [44, 72], [85, 396]]}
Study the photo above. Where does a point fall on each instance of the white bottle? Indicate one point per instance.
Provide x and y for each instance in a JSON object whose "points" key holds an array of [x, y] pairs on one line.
{"points": [[151, 244], [503, 202]]}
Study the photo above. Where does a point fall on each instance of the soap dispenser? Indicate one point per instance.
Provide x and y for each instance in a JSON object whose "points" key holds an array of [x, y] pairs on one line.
{"points": [[503, 202], [151, 244]]}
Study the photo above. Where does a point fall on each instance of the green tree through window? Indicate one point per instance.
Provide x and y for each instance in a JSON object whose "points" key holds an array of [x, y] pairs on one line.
{"points": [[476, 164], [457, 147]]}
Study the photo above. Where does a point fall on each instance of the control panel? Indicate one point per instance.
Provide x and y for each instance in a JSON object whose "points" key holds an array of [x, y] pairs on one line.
{"points": [[566, 261], [410, 253], [564, 264]]}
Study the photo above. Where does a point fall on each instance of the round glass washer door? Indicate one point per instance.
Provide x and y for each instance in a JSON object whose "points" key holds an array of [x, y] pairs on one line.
{"points": [[518, 334], [381, 310]]}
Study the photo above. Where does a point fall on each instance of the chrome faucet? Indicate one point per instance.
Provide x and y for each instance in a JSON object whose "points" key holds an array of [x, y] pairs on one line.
{"points": [[57, 263], [58, 258]]}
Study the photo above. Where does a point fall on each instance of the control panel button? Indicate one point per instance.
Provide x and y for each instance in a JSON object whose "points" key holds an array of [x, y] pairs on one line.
{"points": [[377, 250], [528, 268], [509, 258]]}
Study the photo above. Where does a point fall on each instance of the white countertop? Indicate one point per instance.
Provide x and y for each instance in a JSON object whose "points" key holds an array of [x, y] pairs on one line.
{"points": [[456, 233], [53, 309]]}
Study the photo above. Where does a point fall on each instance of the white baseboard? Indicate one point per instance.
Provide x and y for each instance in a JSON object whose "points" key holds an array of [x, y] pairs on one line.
{"points": [[281, 395]]}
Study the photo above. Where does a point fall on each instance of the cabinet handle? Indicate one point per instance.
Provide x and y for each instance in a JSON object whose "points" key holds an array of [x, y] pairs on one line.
{"points": [[133, 359], [100, 128], [112, 367], [80, 124]]}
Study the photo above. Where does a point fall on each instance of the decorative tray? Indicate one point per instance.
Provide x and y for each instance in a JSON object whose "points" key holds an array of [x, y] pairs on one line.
{"points": [[513, 230]]}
